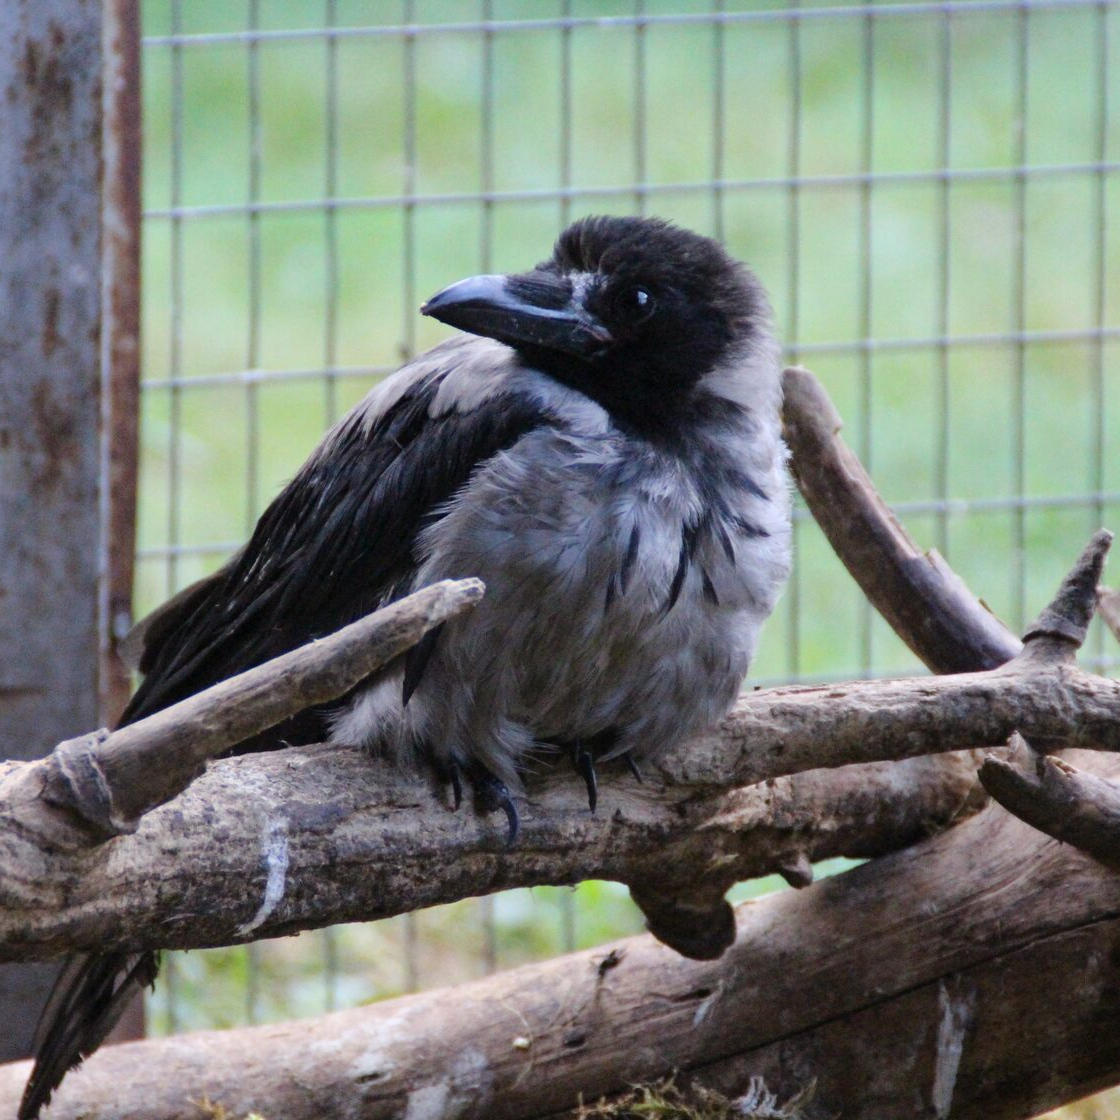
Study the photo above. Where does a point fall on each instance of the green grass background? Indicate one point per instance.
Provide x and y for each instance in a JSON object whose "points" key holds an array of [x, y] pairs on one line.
{"points": [[897, 260]]}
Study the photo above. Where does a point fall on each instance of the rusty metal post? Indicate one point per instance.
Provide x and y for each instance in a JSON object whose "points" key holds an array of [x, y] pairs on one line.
{"points": [[66, 507], [120, 341], [120, 368]]}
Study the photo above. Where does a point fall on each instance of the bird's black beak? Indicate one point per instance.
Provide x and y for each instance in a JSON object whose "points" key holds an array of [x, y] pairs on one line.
{"points": [[529, 309]]}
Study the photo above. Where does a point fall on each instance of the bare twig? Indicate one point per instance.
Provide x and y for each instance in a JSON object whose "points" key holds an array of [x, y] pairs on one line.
{"points": [[106, 782], [1058, 799], [1067, 616]]}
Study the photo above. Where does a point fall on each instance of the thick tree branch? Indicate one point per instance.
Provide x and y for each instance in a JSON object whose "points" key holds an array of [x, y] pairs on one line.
{"points": [[356, 839], [924, 984]]}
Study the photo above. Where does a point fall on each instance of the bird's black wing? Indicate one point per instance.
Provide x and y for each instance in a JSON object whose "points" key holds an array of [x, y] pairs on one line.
{"points": [[340, 539], [337, 542]]}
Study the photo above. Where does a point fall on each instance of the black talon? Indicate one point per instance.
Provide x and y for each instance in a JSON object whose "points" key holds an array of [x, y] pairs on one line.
{"points": [[512, 819], [632, 766], [492, 794], [585, 766], [454, 777]]}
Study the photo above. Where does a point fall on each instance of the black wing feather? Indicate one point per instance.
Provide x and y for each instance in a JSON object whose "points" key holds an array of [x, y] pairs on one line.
{"points": [[88, 998], [416, 661], [337, 542]]}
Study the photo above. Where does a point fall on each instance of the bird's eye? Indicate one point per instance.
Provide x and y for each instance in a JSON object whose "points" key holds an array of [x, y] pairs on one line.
{"points": [[635, 304]]}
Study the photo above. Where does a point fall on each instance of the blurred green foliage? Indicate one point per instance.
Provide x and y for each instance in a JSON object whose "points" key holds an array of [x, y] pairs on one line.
{"points": [[442, 115]]}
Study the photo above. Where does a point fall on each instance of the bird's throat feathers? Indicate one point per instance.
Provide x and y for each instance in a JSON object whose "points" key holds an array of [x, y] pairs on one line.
{"points": [[673, 410]]}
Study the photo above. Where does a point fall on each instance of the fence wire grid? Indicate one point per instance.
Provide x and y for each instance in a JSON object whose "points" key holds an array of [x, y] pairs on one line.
{"points": [[928, 190]]}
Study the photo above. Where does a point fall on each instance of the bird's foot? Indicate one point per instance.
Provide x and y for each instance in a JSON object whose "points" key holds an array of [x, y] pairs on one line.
{"points": [[584, 763], [491, 794]]}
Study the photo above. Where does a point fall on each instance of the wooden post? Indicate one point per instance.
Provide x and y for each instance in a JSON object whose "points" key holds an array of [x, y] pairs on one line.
{"points": [[61, 164]]}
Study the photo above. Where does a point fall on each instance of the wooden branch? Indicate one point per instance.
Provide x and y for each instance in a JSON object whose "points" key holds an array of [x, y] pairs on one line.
{"points": [[331, 816], [98, 786], [782, 731], [1058, 799], [923, 984], [310, 836], [306, 804], [924, 600], [933, 611]]}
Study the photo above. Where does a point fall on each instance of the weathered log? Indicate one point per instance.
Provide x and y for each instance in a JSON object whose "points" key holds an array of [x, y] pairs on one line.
{"points": [[973, 975], [270, 844]]}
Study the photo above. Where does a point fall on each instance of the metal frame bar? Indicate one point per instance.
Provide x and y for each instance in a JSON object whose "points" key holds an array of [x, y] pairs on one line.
{"points": [[413, 30], [70, 212], [410, 199]]}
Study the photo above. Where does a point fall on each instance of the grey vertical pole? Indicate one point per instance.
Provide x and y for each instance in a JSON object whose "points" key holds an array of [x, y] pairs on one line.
{"points": [[52, 554], [120, 366]]}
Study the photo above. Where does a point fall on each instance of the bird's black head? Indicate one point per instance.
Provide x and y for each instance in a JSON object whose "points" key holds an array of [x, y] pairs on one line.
{"points": [[633, 312]]}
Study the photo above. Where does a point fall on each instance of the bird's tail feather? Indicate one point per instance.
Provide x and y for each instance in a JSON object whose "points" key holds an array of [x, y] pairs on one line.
{"points": [[89, 996]]}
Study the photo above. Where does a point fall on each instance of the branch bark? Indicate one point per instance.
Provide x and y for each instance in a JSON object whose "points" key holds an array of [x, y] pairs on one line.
{"points": [[357, 840], [924, 984]]}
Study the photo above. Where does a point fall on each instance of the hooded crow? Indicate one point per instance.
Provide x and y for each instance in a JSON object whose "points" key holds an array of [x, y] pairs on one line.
{"points": [[605, 454]]}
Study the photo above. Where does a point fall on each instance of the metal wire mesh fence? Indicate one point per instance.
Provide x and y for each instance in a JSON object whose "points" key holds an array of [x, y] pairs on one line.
{"points": [[929, 191]]}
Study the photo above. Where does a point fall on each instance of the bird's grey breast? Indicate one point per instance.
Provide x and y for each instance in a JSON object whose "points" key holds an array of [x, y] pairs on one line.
{"points": [[626, 583]]}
